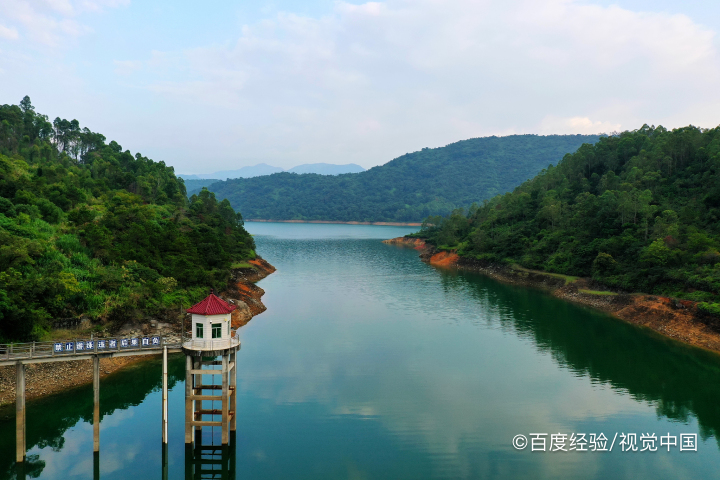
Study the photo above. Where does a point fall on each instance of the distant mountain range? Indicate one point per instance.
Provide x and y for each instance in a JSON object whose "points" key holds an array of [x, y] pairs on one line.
{"points": [[327, 168], [244, 172], [433, 181], [265, 169]]}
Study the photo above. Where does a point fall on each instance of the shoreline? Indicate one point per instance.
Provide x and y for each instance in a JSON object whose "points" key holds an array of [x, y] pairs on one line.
{"points": [[245, 294], [391, 224], [44, 379], [673, 318]]}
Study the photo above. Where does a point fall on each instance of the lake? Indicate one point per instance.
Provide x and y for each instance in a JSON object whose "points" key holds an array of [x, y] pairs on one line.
{"points": [[369, 364]]}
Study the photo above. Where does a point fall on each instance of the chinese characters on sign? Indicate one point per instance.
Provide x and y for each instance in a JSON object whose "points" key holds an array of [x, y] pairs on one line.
{"points": [[82, 346], [593, 442]]}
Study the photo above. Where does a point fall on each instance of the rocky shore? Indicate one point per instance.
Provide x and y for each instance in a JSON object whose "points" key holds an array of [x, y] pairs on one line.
{"points": [[673, 318], [245, 294], [48, 378]]}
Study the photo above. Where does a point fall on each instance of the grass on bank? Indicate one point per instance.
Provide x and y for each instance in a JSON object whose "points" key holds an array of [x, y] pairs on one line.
{"points": [[596, 292], [568, 278], [241, 265]]}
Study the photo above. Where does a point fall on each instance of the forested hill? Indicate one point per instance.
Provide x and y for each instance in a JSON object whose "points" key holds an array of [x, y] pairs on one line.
{"points": [[407, 189], [639, 211], [195, 185], [89, 229]]}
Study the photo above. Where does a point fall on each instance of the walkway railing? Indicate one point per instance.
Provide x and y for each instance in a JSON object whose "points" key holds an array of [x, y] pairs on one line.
{"points": [[210, 344], [20, 351], [79, 346]]}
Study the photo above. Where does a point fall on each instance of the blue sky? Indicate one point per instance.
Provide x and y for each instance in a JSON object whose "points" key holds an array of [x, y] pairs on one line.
{"points": [[220, 85]]}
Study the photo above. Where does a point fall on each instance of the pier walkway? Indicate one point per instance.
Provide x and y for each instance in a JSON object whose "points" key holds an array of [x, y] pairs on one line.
{"points": [[82, 349], [22, 354]]}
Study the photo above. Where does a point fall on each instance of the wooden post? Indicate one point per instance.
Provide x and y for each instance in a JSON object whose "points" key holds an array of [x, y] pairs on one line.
{"points": [[20, 413], [96, 403], [165, 396], [189, 411], [225, 399]]}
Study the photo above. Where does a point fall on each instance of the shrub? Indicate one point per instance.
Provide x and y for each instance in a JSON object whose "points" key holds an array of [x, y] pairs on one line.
{"points": [[712, 309], [603, 265]]}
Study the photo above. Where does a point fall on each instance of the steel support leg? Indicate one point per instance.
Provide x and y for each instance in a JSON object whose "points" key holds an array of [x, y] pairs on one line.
{"points": [[165, 396], [233, 392], [189, 411], [20, 413], [225, 399], [96, 403]]}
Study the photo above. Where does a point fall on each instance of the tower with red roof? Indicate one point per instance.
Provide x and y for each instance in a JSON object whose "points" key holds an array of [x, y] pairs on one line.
{"points": [[211, 320], [211, 337]]}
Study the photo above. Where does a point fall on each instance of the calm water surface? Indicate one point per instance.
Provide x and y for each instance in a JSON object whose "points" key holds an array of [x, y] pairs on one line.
{"points": [[370, 364]]}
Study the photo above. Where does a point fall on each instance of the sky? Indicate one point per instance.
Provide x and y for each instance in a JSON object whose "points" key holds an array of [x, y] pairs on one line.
{"points": [[218, 85]]}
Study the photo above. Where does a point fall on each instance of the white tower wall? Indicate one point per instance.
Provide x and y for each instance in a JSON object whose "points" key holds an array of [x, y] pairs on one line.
{"points": [[207, 321]]}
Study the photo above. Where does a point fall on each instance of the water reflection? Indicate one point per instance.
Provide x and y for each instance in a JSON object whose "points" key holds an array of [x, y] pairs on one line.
{"points": [[49, 418], [371, 364], [31, 468], [203, 460], [679, 381], [210, 460], [454, 364]]}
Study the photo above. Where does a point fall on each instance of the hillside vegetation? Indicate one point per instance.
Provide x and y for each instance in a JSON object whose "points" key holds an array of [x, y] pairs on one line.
{"points": [[638, 211], [195, 185], [89, 229], [432, 181]]}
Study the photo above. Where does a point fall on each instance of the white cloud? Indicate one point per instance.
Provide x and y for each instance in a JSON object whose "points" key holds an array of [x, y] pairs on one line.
{"points": [[64, 7], [613, 36], [126, 67], [372, 81], [575, 125], [363, 83], [99, 5], [50, 22], [8, 33]]}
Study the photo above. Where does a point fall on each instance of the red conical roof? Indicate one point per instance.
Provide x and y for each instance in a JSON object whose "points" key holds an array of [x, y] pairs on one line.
{"points": [[212, 305]]}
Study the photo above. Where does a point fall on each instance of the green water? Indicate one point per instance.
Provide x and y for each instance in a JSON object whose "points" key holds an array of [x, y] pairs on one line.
{"points": [[370, 364]]}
